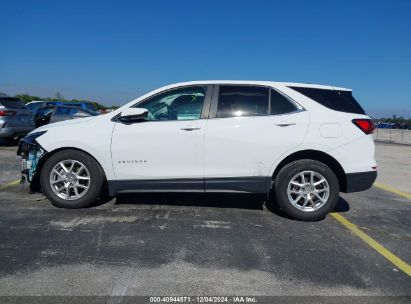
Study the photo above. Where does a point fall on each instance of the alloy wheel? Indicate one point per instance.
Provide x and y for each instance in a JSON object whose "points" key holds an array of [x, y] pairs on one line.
{"points": [[70, 179], [308, 191]]}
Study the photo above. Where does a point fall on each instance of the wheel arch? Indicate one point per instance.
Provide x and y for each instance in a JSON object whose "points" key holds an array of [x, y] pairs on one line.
{"points": [[319, 156], [35, 184]]}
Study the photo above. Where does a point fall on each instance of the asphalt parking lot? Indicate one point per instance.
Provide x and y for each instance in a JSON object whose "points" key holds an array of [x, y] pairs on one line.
{"points": [[174, 244]]}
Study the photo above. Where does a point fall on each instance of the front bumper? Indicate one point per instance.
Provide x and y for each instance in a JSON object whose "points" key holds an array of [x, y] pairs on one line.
{"points": [[31, 153], [360, 181]]}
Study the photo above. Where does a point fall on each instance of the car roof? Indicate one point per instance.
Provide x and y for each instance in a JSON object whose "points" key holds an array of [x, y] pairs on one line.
{"points": [[63, 102], [43, 101], [261, 82]]}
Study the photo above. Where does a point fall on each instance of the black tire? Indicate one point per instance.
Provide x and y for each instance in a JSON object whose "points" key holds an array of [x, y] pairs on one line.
{"points": [[287, 173], [96, 182]]}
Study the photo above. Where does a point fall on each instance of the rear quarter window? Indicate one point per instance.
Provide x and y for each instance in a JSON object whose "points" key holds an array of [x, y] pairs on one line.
{"points": [[280, 104], [336, 100]]}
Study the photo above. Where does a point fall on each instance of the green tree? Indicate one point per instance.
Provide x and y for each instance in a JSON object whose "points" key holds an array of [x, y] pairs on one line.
{"points": [[26, 97]]}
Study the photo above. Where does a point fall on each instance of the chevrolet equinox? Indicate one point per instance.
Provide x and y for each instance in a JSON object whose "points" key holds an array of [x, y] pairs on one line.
{"points": [[301, 144]]}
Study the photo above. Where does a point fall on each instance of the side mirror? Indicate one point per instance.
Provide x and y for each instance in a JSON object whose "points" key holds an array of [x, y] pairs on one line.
{"points": [[134, 115]]}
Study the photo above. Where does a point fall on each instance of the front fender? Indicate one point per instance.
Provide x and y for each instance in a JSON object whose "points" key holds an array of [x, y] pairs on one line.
{"points": [[92, 137]]}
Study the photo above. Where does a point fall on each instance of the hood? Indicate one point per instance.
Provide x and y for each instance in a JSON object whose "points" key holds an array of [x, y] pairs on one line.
{"points": [[76, 121]]}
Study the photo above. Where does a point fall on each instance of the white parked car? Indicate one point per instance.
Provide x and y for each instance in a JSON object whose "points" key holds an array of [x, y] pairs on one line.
{"points": [[301, 143]]}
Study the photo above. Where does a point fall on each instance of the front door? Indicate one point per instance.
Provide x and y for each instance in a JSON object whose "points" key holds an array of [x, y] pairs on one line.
{"points": [[165, 152]]}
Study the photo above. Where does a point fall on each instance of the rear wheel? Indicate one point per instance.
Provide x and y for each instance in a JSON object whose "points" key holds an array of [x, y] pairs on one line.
{"points": [[306, 190], [71, 179]]}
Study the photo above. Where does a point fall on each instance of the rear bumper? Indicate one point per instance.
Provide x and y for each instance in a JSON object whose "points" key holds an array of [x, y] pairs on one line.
{"points": [[360, 181]]}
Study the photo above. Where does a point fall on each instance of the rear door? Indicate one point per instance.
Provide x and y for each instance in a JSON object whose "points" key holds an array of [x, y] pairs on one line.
{"points": [[250, 127]]}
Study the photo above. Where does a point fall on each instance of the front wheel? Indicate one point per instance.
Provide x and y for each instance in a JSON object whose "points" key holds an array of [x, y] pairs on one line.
{"points": [[71, 179], [306, 190]]}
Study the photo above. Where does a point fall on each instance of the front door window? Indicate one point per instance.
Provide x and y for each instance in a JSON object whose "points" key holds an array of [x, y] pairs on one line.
{"points": [[179, 104]]}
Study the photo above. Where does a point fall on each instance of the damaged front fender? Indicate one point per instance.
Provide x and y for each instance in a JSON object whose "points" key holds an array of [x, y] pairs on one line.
{"points": [[31, 153]]}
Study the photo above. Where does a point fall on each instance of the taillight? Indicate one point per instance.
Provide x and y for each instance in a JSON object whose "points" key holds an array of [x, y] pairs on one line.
{"points": [[366, 125], [7, 113]]}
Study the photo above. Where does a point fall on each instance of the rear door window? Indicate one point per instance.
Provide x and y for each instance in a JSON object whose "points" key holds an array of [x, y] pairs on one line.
{"points": [[237, 101], [341, 101]]}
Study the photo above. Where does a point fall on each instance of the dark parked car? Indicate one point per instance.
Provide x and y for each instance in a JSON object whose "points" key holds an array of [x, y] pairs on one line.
{"points": [[55, 113], [15, 119]]}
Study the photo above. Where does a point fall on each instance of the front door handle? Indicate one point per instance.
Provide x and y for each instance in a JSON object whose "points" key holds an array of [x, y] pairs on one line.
{"points": [[190, 128], [285, 124]]}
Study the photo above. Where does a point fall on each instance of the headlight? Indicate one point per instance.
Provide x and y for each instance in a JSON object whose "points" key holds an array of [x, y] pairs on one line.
{"points": [[32, 136], [28, 142]]}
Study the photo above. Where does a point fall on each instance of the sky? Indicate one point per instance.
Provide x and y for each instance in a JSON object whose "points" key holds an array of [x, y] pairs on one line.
{"points": [[114, 51]]}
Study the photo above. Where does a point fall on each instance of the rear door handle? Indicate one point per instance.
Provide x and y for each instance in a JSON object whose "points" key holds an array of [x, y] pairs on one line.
{"points": [[190, 128], [285, 124]]}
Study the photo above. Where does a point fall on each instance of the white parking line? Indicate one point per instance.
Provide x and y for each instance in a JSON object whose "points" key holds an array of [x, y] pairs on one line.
{"points": [[121, 287]]}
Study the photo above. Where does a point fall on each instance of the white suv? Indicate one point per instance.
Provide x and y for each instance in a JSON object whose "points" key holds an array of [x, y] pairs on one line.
{"points": [[301, 143]]}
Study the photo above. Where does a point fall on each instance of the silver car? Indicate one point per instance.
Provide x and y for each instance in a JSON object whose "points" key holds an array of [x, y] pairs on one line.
{"points": [[15, 119]]}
